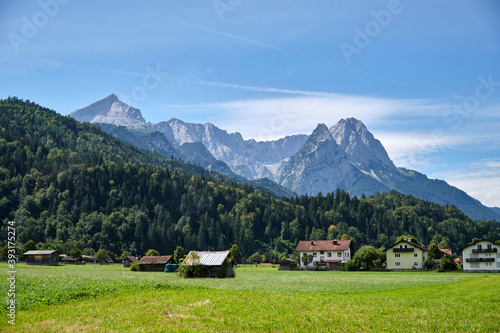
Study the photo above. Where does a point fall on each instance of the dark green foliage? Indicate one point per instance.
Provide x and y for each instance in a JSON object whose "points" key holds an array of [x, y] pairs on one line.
{"points": [[429, 264], [28, 246], [447, 263], [70, 185], [235, 252], [76, 254], [351, 265], [178, 254], [152, 253], [101, 255], [367, 255], [434, 252], [135, 267]]}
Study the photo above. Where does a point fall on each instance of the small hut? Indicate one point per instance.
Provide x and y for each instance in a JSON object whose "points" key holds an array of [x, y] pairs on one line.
{"points": [[70, 261], [129, 260], [42, 257], [287, 264], [218, 263], [155, 263]]}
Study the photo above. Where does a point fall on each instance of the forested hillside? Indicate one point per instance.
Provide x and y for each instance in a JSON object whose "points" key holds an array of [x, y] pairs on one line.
{"points": [[69, 184]]}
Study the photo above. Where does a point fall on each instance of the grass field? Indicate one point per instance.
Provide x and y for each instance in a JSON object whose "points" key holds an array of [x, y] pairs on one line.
{"points": [[114, 299]]}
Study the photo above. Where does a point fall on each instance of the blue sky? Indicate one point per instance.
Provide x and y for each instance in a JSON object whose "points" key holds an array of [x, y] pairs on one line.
{"points": [[424, 76]]}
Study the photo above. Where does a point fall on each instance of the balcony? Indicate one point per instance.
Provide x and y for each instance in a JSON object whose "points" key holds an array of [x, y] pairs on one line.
{"points": [[398, 249], [480, 260], [492, 250]]}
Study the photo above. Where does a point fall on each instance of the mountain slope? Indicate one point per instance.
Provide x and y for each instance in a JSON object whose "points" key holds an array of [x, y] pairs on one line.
{"points": [[110, 110], [350, 158], [71, 185]]}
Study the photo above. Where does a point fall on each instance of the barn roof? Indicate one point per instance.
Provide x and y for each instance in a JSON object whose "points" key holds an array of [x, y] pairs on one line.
{"points": [[212, 258], [133, 259], [148, 260], [68, 258], [324, 245], [39, 252]]}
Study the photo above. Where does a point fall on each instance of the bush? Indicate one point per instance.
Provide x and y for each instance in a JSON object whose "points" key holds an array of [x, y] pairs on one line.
{"points": [[447, 263], [135, 267], [351, 265], [429, 264]]}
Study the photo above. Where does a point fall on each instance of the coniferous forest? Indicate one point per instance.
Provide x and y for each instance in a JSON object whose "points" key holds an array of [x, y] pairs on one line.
{"points": [[70, 185]]}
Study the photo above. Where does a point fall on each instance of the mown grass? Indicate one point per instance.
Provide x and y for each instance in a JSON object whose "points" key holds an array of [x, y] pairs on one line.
{"points": [[258, 300]]}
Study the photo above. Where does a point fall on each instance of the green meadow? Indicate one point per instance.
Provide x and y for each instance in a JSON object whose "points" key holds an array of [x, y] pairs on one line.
{"points": [[114, 299]]}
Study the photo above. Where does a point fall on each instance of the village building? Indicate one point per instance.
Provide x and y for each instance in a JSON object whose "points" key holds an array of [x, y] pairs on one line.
{"points": [[481, 256], [129, 260], [406, 255], [154, 263], [106, 261], [218, 263], [324, 252], [42, 257], [68, 260]]}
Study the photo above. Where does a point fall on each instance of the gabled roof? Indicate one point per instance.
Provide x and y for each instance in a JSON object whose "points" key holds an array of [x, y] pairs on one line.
{"points": [[423, 248], [324, 245], [148, 260], [211, 258], [446, 252], [68, 258], [133, 259], [477, 241], [39, 252]]}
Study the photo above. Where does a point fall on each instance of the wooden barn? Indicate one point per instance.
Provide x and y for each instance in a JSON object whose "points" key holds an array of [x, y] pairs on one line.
{"points": [[218, 263], [129, 260], [155, 263], [42, 257]]}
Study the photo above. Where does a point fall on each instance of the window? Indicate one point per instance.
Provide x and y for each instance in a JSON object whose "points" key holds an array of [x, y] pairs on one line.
{"points": [[315, 254], [397, 255], [322, 252], [489, 246], [329, 254], [339, 254], [397, 264], [479, 247], [406, 246], [415, 263], [415, 255], [347, 254]]}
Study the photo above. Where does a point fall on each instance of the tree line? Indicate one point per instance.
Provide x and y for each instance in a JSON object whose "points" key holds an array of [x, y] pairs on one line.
{"points": [[70, 185]]}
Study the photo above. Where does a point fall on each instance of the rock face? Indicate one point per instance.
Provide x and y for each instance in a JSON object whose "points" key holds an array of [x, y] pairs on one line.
{"points": [[110, 110], [345, 156], [247, 158]]}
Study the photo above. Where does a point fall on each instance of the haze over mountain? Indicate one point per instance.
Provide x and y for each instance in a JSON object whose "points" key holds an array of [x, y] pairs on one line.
{"points": [[345, 156]]}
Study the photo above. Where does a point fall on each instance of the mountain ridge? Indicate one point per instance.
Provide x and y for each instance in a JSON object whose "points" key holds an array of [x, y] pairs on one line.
{"points": [[345, 156]]}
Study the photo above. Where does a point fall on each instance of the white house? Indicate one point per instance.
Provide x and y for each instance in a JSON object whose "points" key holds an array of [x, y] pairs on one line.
{"points": [[406, 255], [481, 255], [328, 252]]}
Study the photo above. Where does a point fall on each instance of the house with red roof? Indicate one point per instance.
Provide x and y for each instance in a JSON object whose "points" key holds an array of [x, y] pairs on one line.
{"points": [[324, 252], [129, 260]]}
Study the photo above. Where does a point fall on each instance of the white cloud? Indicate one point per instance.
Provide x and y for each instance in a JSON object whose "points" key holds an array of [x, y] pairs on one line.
{"points": [[480, 180], [276, 117]]}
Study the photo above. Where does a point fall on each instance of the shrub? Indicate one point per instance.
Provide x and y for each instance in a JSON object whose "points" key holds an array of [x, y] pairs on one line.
{"points": [[429, 264], [135, 267], [447, 263], [351, 265]]}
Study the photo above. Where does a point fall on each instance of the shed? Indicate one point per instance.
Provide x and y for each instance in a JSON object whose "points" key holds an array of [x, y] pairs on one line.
{"points": [[70, 260], [155, 263], [106, 261], [42, 257], [219, 263], [129, 260]]}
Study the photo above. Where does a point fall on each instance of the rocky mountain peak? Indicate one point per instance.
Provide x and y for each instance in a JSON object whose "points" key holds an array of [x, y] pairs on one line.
{"points": [[110, 110], [360, 145]]}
